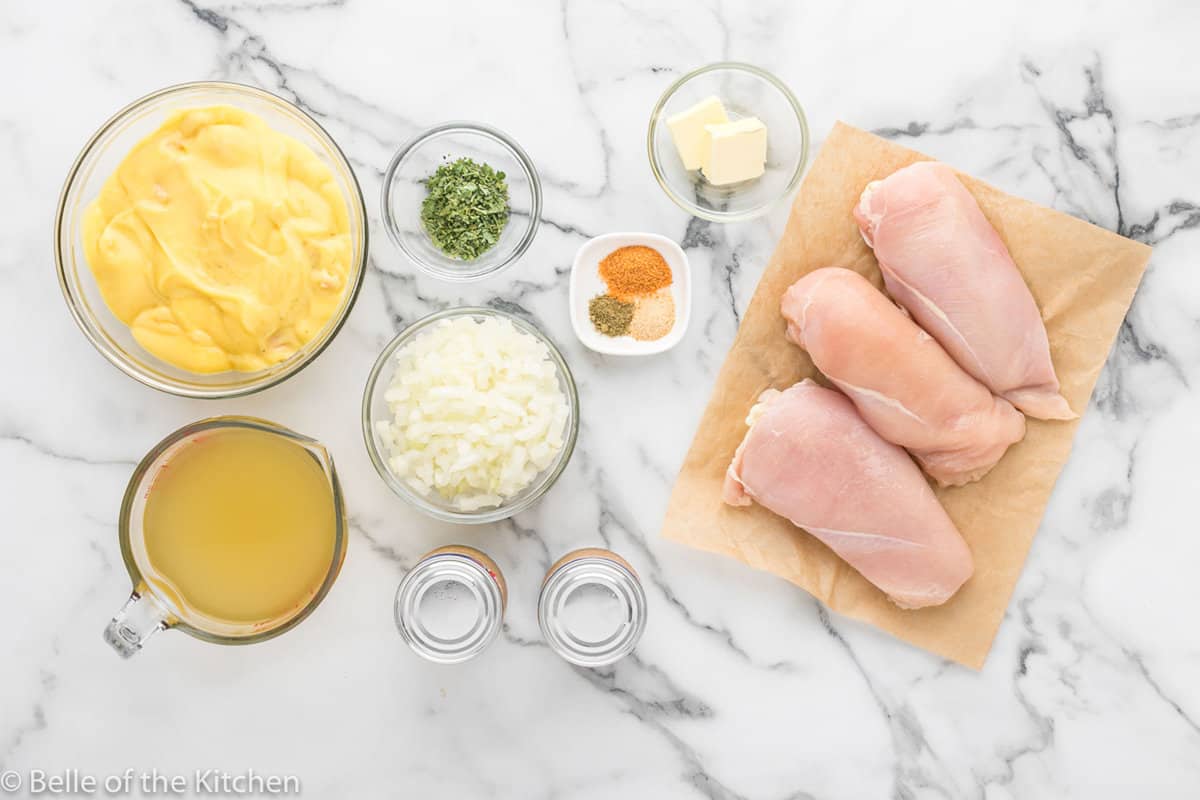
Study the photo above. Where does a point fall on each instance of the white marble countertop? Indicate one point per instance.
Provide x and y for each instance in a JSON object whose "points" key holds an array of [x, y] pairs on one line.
{"points": [[743, 687]]}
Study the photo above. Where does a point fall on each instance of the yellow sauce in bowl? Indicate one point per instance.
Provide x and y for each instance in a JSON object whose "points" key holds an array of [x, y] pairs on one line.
{"points": [[222, 243]]}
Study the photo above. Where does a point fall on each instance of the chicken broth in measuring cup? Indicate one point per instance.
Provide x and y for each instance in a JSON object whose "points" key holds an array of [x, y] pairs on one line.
{"points": [[239, 527], [232, 530]]}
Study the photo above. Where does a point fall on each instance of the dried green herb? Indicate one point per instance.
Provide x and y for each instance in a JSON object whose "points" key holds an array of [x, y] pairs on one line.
{"points": [[466, 209], [609, 315]]}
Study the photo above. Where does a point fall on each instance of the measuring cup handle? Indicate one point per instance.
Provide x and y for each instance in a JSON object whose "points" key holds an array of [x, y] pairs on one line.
{"points": [[141, 617]]}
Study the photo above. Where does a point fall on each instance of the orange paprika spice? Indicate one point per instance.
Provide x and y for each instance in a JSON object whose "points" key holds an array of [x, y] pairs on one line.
{"points": [[634, 270]]}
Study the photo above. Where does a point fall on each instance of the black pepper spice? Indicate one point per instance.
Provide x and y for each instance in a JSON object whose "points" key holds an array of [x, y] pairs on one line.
{"points": [[609, 315]]}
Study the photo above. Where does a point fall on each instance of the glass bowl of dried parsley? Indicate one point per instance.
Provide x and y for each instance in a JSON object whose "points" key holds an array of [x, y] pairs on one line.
{"points": [[462, 200]]}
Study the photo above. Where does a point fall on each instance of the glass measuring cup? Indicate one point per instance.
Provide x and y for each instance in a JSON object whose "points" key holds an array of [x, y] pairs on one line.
{"points": [[151, 606]]}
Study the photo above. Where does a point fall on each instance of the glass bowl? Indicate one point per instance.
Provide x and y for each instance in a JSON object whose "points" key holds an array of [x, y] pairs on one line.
{"points": [[746, 91], [375, 410], [404, 192], [97, 161]]}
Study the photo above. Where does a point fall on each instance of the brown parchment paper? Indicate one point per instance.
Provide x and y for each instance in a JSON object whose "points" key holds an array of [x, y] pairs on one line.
{"points": [[1083, 279]]}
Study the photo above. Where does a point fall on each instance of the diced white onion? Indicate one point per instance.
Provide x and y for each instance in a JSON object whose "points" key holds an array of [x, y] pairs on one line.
{"points": [[477, 412]]}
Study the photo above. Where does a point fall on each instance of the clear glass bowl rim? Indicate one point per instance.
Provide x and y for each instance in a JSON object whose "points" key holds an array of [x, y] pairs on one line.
{"points": [[86, 323], [692, 208], [400, 488], [504, 140]]}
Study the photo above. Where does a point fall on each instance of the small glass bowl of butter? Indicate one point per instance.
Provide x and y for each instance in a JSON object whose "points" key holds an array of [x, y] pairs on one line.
{"points": [[727, 142]]}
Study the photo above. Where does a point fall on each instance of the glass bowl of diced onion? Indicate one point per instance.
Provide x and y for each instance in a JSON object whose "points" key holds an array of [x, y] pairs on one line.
{"points": [[452, 387]]}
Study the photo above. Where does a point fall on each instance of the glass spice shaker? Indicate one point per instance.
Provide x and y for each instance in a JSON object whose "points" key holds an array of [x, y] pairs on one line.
{"points": [[592, 608], [450, 606]]}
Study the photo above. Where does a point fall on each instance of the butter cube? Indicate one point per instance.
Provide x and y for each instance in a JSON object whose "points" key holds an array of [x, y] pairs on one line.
{"points": [[737, 151], [688, 130]]}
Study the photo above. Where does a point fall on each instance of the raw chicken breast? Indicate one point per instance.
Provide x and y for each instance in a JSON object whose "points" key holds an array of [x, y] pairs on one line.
{"points": [[900, 380], [944, 262], [810, 457]]}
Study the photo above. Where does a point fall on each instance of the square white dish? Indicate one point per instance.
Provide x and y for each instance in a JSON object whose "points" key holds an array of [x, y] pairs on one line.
{"points": [[586, 283]]}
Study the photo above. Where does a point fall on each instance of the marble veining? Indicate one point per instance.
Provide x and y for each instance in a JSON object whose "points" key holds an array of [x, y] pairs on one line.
{"points": [[743, 687]]}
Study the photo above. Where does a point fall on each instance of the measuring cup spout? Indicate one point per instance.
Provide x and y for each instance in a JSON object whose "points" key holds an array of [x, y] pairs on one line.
{"points": [[141, 617]]}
